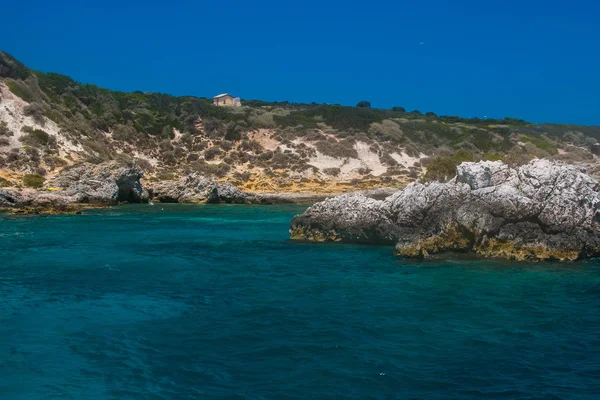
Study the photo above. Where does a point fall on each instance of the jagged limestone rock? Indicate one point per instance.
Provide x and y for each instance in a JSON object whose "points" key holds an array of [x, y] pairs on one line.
{"points": [[10, 198], [348, 217], [103, 184], [194, 188], [107, 183], [229, 193], [35, 201], [198, 189], [542, 210]]}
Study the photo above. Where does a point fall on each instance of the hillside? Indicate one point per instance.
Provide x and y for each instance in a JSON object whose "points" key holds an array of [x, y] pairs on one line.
{"points": [[49, 122]]}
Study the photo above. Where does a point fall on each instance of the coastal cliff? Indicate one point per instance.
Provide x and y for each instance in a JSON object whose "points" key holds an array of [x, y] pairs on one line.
{"points": [[544, 210]]}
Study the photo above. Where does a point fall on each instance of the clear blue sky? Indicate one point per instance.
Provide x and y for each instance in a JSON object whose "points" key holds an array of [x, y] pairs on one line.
{"points": [[531, 59]]}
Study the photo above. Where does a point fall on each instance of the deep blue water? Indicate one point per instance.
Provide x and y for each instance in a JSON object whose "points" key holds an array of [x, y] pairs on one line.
{"points": [[214, 302]]}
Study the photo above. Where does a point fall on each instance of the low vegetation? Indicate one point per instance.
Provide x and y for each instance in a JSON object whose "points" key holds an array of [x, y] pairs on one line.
{"points": [[34, 181], [180, 134]]}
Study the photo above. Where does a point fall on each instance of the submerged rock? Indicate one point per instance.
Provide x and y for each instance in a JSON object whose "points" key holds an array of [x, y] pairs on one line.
{"points": [[543, 210]]}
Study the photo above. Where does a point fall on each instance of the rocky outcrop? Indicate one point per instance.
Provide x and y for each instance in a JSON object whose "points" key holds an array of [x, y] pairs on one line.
{"points": [[232, 194], [197, 189], [30, 200], [107, 183], [85, 184], [541, 211], [194, 188]]}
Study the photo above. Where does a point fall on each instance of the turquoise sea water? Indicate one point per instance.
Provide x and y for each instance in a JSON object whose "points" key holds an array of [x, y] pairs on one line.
{"points": [[214, 302]]}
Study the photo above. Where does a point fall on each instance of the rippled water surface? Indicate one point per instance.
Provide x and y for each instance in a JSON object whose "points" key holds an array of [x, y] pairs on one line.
{"points": [[214, 302]]}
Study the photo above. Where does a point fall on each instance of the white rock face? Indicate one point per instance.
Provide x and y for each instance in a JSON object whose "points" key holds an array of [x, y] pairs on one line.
{"points": [[354, 216], [542, 210], [12, 112]]}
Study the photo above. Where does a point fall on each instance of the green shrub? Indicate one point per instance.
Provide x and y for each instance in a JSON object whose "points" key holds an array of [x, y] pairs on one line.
{"points": [[388, 160], [54, 162], [518, 155], [218, 170], [20, 89], [386, 130], [10, 67], [313, 135], [4, 182], [212, 153], [13, 156], [37, 138], [574, 154], [226, 145], [541, 143], [251, 145], [444, 168], [4, 130], [463, 156], [35, 111], [341, 149], [492, 156], [55, 116], [264, 120], [335, 116], [125, 133], [35, 181], [242, 176], [332, 171]]}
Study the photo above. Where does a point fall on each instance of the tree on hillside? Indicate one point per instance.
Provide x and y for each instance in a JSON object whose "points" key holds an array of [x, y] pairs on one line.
{"points": [[399, 109], [363, 104]]}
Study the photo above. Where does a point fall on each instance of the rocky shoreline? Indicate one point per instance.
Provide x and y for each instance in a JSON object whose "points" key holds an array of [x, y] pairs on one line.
{"points": [[544, 210], [89, 186]]}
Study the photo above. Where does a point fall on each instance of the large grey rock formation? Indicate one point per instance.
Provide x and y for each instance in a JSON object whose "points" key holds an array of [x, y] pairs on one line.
{"points": [[542, 210], [198, 189], [232, 194], [107, 183], [193, 188], [33, 200], [103, 184]]}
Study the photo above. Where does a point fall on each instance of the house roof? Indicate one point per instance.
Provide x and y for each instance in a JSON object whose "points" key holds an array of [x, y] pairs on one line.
{"points": [[222, 95]]}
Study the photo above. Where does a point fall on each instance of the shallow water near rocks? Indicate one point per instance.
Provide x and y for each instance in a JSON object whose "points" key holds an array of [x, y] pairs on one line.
{"points": [[214, 302]]}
